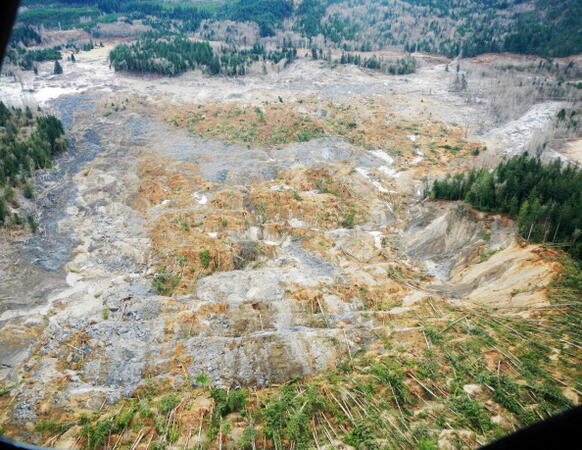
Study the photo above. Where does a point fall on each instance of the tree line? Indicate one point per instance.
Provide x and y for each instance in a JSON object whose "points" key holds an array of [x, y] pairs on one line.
{"points": [[172, 55], [24, 35], [399, 66], [25, 59], [468, 28], [462, 27], [56, 17], [546, 199], [28, 142], [267, 14], [87, 14]]}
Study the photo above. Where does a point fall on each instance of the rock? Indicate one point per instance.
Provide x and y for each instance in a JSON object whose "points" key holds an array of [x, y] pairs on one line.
{"points": [[472, 389], [501, 422], [334, 305], [442, 235], [413, 298], [359, 245], [399, 310]]}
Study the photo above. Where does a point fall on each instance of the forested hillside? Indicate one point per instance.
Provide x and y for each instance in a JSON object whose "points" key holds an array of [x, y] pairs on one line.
{"points": [[27, 142], [466, 27], [172, 55], [459, 27], [545, 199]]}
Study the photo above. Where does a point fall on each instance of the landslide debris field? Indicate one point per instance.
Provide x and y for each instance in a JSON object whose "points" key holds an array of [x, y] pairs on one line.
{"points": [[251, 263]]}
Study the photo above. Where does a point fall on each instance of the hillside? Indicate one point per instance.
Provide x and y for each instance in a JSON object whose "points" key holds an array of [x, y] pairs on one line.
{"points": [[272, 224], [462, 27]]}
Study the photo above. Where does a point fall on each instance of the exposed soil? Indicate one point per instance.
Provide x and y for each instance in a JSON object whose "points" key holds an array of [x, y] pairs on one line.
{"points": [[572, 151], [176, 241]]}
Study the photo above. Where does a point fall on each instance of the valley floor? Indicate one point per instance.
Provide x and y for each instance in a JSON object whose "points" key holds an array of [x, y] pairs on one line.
{"points": [[270, 233]]}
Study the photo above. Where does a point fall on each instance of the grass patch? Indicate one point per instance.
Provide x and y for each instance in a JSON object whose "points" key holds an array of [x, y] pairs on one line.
{"points": [[165, 281]]}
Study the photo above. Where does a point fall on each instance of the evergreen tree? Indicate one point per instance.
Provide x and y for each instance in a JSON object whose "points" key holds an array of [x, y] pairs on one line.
{"points": [[58, 68], [28, 143], [3, 212], [172, 55], [544, 198]]}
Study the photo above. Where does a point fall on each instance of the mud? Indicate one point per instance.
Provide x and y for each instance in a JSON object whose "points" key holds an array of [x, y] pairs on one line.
{"points": [[303, 240]]}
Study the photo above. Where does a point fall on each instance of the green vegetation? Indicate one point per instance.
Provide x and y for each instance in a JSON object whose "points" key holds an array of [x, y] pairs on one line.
{"points": [[348, 222], [171, 55], [545, 199], [451, 28], [56, 17], [58, 69], [287, 415], [225, 402], [167, 56], [4, 390], [26, 58], [397, 396], [24, 35], [546, 27], [96, 436], [52, 427], [165, 281], [168, 403], [205, 258], [473, 414], [310, 15], [87, 14], [268, 14], [27, 143], [400, 66], [553, 29]]}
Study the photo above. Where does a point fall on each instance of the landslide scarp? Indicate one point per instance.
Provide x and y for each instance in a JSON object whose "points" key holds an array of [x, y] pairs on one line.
{"points": [[231, 289]]}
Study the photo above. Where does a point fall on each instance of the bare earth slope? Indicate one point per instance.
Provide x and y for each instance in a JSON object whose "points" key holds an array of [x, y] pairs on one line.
{"points": [[256, 230]]}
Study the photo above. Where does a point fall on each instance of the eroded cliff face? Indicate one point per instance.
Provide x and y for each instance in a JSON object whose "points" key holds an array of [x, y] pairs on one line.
{"points": [[163, 255]]}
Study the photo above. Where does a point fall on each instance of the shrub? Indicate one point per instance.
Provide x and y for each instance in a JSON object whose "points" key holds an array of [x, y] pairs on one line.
{"points": [[348, 221], [168, 402], [27, 191], [205, 258]]}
